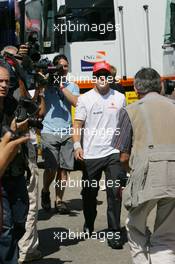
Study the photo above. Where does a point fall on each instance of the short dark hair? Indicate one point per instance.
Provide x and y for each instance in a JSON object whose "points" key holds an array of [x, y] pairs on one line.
{"points": [[59, 57], [147, 80]]}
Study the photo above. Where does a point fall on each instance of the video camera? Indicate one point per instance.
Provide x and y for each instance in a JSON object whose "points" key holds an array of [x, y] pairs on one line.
{"points": [[34, 47], [26, 108], [32, 63], [169, 86], [45, 67]]}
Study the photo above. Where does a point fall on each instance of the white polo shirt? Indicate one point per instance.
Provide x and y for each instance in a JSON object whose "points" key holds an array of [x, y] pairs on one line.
{"points": [[100, 114]]}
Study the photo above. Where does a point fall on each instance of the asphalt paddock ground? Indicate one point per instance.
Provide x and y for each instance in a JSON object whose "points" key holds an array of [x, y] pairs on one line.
{"points": [[60, 239], [72, 247]]}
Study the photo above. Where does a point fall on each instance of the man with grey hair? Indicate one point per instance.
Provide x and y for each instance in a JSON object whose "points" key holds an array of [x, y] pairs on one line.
{"points": [[10, 49], [13, 85], [147, 141]]}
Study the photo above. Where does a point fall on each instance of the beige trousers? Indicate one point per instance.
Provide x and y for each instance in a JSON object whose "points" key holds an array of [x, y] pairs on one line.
{"points": [[29, 242], [156, 248]]}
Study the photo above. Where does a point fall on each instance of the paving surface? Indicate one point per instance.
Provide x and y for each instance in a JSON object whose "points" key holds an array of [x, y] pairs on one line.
{"points": [[73, 248]]}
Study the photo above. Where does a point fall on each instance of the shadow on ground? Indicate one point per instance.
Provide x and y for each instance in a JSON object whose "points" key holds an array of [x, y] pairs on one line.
{"points": [[75, 205], [52, 238], [45, 215], [51, 261]]}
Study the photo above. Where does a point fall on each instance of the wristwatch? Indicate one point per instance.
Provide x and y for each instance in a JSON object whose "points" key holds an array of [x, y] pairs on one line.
{"points": [[76, 145]]}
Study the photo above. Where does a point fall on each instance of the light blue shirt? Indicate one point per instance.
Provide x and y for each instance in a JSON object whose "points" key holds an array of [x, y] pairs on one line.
{"points": [[58, 110]]}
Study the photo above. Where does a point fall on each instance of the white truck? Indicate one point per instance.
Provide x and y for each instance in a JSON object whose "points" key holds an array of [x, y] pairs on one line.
{"points": [[129, 34]]}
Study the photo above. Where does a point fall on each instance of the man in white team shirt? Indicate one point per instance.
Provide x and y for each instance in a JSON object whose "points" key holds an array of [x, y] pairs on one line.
{"points": [[96, 116]]}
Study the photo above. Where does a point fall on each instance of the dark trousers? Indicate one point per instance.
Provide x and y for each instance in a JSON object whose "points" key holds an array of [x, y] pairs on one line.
{"points": [[91, 176], [15, 208]]}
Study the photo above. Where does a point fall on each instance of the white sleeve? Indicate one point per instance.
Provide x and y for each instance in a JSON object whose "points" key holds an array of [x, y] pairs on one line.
{"points": [[80, 111]]}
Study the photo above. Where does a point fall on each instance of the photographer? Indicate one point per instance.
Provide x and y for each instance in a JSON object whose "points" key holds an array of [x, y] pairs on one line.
{"points": [[56, 138], [28, 245], [14, 191], [33, 107], [8, 150]]}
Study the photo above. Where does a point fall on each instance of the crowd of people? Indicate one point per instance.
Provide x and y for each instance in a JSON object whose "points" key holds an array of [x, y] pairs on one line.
{"points": [[107, 136]]}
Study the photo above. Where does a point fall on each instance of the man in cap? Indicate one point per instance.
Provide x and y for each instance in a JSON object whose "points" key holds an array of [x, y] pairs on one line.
{"points": [[97, 113]]}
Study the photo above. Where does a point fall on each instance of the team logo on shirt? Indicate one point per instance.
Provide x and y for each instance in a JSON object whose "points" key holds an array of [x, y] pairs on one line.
{"points": [[112, 105]]}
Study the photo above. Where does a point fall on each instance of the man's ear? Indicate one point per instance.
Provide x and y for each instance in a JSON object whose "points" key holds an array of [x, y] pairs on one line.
{"points": [[135, 89], [162, 92], [138, 95]]}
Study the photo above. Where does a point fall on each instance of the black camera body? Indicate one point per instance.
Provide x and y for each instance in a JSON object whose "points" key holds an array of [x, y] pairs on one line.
{"points": [[44, 66], [34, 47], [47, 68], [169, 86], [27, 109]]}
